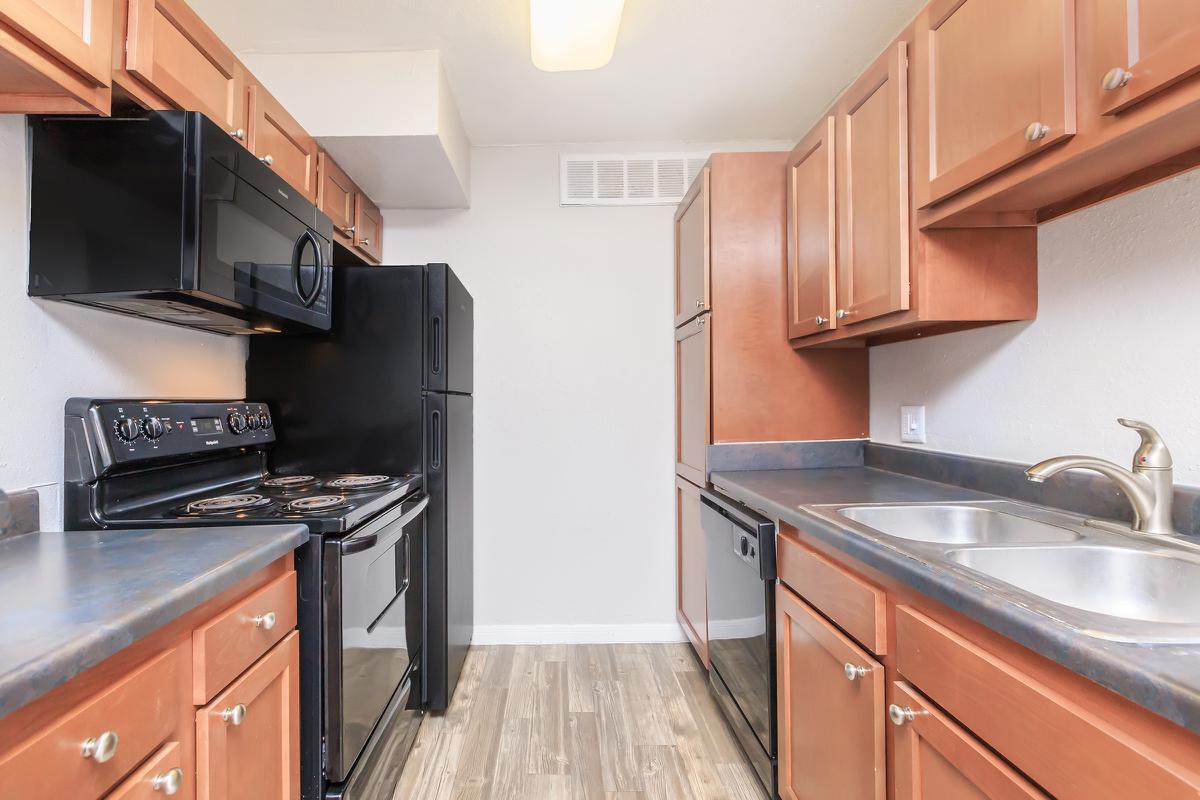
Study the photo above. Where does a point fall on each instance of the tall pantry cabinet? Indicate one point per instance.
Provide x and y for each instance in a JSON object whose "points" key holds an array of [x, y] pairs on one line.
{"points": [[737, 378]]}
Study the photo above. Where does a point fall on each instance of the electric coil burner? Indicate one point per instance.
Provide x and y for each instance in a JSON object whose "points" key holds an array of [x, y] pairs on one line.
{"points": [[224, 504], [360, 576], [316, 503], [361, 483]]}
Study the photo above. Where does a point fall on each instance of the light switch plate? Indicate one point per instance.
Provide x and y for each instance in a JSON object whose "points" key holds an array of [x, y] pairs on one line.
{"points": [[912, 424]]}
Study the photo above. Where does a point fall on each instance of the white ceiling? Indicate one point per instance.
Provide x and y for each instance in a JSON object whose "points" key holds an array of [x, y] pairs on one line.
{"points": [[683, 69]]}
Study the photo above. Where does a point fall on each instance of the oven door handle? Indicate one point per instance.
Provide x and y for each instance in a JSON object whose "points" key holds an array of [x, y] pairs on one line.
{"points": [[365, 541]]}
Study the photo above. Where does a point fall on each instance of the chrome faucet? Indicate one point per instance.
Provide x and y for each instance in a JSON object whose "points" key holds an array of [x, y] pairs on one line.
{"points": [[1149, 485]]}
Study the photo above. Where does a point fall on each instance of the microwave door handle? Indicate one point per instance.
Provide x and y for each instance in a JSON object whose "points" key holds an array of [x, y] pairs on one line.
{"points": [[366, 541], [305, 239]]}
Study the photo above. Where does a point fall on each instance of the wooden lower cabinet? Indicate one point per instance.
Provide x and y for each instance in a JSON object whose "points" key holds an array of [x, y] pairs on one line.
{"points": [[248, 737], [831, 709], [938, 760], [691, 582]]}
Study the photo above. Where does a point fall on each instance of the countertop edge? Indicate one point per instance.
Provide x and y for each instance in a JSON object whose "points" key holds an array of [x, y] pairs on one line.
{"points": [[39, 677], [1110, 667]]}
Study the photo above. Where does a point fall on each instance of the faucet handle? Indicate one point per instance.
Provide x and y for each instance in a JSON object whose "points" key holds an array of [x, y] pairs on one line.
{"points": [[1153, 453]]}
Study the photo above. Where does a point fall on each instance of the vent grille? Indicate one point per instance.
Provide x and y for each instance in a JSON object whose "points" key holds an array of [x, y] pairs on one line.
{"points": [[627, 180]]}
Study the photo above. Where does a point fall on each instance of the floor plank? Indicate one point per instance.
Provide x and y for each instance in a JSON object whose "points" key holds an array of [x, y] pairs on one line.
{"points": [[579, 722]]}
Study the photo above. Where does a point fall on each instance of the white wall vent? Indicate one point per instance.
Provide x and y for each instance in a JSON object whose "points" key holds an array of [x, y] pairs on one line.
{"points": [[642, 179]]}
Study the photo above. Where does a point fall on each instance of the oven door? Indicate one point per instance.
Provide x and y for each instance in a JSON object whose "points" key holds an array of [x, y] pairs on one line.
{"points": [[373, 622], [741, 622]]}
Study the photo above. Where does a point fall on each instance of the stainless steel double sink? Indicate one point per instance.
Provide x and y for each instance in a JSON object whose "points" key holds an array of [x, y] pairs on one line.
{"points": [[1102, 580]]}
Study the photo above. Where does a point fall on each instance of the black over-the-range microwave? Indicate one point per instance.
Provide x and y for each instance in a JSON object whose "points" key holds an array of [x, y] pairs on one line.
{"points": [[168, 217]]}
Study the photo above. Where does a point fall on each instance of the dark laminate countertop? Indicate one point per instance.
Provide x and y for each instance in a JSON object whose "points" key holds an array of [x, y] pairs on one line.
{"points": [[71, 600], [1164, 678]]}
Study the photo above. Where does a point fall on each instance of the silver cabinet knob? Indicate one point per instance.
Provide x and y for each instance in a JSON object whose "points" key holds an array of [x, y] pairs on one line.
{"points": [[101, 748], [854, 672], [365, 242], [821, 320], [267, 160], [1036, 131], [265, 621], [899, 716], [169, 782], [701, 320], [842, 313], [239, 134], [348, 230], [235, 715], [1115, 78], [699, 304]]}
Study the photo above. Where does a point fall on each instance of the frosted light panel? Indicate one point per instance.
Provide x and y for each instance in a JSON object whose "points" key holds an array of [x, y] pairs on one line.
{"points": [[573, 34]]}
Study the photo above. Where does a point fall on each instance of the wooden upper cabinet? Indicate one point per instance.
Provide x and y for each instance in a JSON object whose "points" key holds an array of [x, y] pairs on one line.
{"points": [[831, 709], [938, 760], [692, 250], [336, 195], [1000, 79], [693, 398], [812, 232], [1155, 44], [279, 141], [691, 581], [76, 32], [171, 50], [873, 213], [248, 738], [368, 229]]}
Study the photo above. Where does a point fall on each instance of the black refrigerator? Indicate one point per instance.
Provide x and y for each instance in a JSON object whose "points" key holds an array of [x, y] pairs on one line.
{"points": [[388, 390]]}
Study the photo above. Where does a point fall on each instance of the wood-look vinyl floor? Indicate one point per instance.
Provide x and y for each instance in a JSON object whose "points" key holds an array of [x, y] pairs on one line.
{"points": [[577, 722]]}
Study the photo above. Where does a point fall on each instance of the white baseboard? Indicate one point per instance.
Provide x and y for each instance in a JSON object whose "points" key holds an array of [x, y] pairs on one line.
{"points": [[577, 634]]}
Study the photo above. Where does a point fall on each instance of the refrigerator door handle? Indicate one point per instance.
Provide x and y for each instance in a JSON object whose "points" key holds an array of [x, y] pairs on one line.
{"points": [[435, 357], [435, 437]]}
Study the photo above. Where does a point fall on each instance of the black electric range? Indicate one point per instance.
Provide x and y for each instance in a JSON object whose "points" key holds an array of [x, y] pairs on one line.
{"points": [[360, 577]]}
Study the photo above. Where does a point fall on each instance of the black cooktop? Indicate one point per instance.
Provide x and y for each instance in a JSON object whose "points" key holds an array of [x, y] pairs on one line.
{"points": [[327, 503]]}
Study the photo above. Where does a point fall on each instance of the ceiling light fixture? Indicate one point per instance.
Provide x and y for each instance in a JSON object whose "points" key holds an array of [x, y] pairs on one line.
{"points": [[573, 34]]}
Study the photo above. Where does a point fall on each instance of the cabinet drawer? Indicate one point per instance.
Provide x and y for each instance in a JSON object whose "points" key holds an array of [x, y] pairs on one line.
{"points": [[1049, 737], [137, 714], [854, 605], [938, 760], [223, 647], [163, 773]]}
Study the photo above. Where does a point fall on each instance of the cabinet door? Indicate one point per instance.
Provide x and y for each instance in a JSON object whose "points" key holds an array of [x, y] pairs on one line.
{"points": [[248, 737], [1000, 82], [173, 52], [691, 591], [831, 709], [368, 229], [812, 232], [1157, 44], [76, 32], [279, 142], [692, 250], [693, 398], [873, 198], [336, 197], [938, 760]]}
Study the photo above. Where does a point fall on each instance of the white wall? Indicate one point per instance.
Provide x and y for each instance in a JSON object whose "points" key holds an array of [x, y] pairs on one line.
{"points": [[52, 351], [573, 385], [1117, 334]]}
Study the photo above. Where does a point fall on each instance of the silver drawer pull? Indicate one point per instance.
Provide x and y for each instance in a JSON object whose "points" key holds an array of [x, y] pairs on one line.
{"points": [[169, 782], [239, 134], [101, 748], [1036, 131], [365, 242], [899, 716], [235, 715], [265, 621], [267, 160], [1115, 78], [854, 672]]}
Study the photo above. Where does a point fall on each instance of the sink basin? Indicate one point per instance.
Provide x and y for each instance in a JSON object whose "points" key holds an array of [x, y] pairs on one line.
{"points": [[956, 524], [1115, 581]]}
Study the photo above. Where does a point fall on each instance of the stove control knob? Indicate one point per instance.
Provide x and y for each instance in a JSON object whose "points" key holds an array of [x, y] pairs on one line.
{"points": [[264, 419], [237, 422], [153, 428], [253, 421], [128, 429]]}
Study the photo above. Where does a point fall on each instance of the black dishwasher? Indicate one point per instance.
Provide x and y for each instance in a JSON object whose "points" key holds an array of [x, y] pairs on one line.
{"points": [[741, 625]]}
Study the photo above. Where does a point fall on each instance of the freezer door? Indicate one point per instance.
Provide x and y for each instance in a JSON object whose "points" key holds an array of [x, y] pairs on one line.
{"points": [[449, 476], [449, 332]]}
